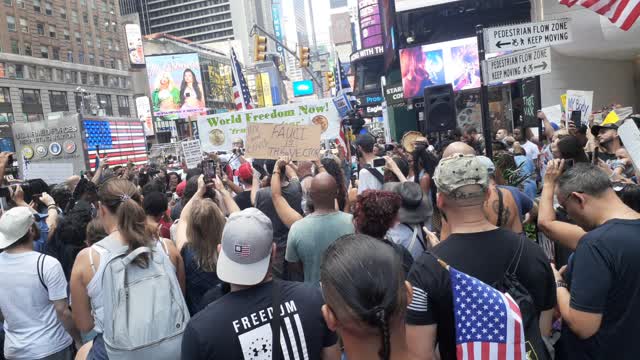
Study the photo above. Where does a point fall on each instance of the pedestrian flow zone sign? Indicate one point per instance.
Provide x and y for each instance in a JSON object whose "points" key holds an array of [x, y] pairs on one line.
{"points": [[527, 36], [518, 65]]}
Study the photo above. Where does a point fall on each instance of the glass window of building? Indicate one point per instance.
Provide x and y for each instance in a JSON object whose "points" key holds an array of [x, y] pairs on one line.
{"points": [[67, 77], [66, 34], [20, 4], [34, 117], [84, 78], [78, 38], [74, 16], [103, 6], [8, 2], [92, 59], [89, 42], [63, 13], [117, 45], [11, 23], [95, 22], [81, 57], [15, 47], [76, 77], [18, 71], [58, 100], [85, 18], [57, 73], [119, 64], [70, 56], [101, 61], [36, 6], [44, 52], [7, 117], [5, 95], [98, 43], [40, 28], [48, 9], [24, 25], [30, 96], [3, 70], [52, 31], [31, 71], [79, 103], [45, 73], [27, 49], [109, 44], [123, 105], [55, 54], [104, 102]]}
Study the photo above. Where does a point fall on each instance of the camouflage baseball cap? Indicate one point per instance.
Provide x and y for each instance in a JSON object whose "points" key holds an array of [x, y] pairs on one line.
{"points": [[460, 170]]}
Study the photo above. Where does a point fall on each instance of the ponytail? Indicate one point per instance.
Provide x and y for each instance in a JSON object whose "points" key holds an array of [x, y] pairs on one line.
{"points": [[383, 325], [132, 223]]}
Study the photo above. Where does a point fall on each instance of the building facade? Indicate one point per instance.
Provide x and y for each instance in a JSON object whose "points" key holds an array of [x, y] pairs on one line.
{"points": [[60, 55], [199, 21]]}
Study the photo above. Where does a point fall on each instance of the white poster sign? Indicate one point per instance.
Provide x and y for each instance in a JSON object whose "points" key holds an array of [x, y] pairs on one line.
{"points": [[50, 173], [217, 132], [582, 101], [192, 153], [553, 113], [630, 135]]}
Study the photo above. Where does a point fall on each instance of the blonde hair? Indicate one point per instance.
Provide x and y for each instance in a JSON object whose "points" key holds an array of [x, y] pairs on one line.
{"points": [[163, 75], [204, 233]]}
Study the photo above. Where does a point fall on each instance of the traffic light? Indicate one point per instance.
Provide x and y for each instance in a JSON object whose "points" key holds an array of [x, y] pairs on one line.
{"points": [[304, 55], [331, 80], [260, 48]]}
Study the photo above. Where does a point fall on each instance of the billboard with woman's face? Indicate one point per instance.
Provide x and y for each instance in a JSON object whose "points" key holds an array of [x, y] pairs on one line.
{"points": [[176, 85]]}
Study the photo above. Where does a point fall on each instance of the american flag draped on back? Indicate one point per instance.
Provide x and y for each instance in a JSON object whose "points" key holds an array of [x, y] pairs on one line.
{"points": [[488, 322], [241, 95], [623, 13], [121, 141]]}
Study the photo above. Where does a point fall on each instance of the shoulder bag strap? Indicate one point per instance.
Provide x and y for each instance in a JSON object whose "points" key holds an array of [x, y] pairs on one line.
{"points": [[276, 350], [414, 237], [373, 171], [40, 267], [511, 270], [500, 207]]}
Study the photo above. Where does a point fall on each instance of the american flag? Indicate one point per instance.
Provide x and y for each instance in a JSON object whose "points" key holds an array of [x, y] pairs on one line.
{"points": [[488, 322], [121, 141], [243, 250], [243, 102], [622, 13], [343, 82]]}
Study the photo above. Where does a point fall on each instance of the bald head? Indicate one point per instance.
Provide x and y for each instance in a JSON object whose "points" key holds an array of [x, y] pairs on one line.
{"points": [[458, 147], [323, 191]]}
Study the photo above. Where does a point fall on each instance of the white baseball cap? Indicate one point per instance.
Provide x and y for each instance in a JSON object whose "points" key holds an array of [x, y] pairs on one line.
{"points": [[14, 224], [247, 240]]}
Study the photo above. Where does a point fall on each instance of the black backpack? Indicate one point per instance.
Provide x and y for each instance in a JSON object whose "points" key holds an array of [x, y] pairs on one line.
{"points": [[535, 346]]}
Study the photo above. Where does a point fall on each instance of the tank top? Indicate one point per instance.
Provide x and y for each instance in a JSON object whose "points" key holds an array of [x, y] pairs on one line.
{"points": [[94, 288]]}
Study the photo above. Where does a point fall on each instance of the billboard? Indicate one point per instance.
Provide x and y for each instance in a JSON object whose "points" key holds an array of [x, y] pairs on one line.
{"points": [[389, 31], [302, 88], [277, 25], [370, 23], [143, 109], [454, 62], [176, 88], [134, 44]]}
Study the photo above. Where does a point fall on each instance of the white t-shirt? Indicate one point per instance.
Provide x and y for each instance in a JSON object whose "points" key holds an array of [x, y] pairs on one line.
{"points": [[532, 151], [366, 181], [32, 329]]}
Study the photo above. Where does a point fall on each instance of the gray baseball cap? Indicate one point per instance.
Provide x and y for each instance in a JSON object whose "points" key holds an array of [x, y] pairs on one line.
{"points": [[460, 170], [247, 240]]}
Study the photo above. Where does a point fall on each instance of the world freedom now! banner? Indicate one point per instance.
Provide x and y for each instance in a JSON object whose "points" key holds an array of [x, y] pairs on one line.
{"points": [[218, 131]]}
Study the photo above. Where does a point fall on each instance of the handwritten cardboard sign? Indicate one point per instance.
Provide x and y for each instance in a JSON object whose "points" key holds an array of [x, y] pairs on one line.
{"points": [[192, 153], [272, 141]]}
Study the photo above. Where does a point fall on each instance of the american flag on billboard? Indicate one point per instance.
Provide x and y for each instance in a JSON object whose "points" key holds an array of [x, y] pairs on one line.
{"points": [[343, 82], [622, 13], [241, 95], [121, 141], [488, 322]]}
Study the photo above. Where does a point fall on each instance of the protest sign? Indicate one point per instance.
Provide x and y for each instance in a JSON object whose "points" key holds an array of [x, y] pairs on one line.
{"points": [[192, 153], [218, 131], [630, 135], [554, 113], [579, 101], [272, 141]]}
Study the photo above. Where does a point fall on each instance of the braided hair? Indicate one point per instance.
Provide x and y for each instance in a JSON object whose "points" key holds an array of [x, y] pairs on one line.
{"points": [[363, 284]]}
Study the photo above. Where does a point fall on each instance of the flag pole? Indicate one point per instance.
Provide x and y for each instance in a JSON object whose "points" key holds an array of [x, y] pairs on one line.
{"points": [[234, 73]]}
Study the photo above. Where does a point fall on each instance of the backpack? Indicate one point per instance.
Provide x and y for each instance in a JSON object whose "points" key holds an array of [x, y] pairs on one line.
{"points": [[535, 347], [145, 313]]}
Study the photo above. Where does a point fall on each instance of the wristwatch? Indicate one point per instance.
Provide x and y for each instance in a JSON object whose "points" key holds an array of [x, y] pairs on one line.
{"points": [[561, 284]]}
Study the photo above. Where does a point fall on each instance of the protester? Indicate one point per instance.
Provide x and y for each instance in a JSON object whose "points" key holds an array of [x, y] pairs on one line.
{"points": [[570, 148], [375, 213], [199, 233], [332, 166], [501, 134], [608, 140], [245, 177], [603, 301], [522, 135], [366, 294], [95, 232], [310, 237], [173, 179], [239, 325], [33, 294], [369, 178], [292, 192], [125, 221], [463, 188], [396, 169], [414, 214], [156, 206]]}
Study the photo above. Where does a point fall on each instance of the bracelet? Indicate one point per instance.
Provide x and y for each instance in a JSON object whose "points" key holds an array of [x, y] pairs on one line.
{"points": [[562, 284], [276, 171], [52, 207]]}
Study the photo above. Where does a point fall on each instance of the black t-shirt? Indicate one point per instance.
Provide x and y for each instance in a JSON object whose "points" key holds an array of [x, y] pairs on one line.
{"points": [[607, 157], [605, 280], [238, 326], [243, 199], [485, 256]]}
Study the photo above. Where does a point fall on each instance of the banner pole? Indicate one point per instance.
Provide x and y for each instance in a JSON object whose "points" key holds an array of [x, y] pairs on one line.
{"points": [[484, 96]]}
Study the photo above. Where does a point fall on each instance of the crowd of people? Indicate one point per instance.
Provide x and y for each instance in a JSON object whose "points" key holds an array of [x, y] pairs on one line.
{"points": [[334, 258]]}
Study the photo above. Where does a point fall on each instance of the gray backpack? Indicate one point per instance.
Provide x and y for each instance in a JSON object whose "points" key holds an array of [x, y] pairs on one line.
{"points": [[144, 311]]}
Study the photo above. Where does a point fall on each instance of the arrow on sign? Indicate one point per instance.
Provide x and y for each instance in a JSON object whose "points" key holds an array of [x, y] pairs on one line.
{"points": [[500, 44], [543, 66]]}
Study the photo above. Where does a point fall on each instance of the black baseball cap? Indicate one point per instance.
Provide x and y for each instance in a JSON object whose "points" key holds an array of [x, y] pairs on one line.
{"points": [[365, 139]]}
